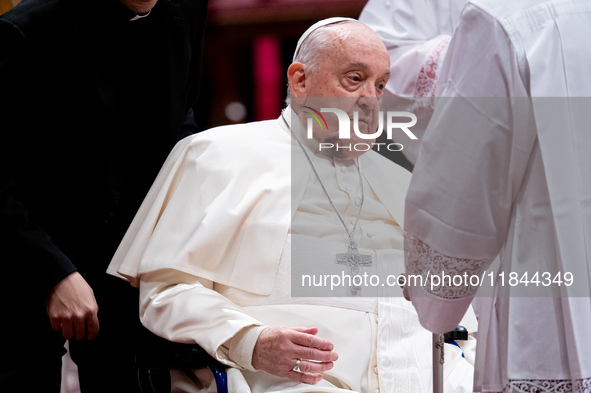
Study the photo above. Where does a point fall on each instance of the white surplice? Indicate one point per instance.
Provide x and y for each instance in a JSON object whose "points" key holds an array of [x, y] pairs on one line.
{"points": [[509, 177], [212, 245], [416, 34]]}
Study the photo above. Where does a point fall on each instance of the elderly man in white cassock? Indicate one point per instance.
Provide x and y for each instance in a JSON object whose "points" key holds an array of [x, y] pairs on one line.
{"points": [[240, 214]]}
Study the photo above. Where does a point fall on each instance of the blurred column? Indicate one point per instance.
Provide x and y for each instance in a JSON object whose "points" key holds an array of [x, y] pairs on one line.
{"points": [[268, 91]]}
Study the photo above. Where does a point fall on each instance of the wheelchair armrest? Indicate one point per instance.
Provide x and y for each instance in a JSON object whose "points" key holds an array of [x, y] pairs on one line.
{"points": [[156, 352], [157, 355]]}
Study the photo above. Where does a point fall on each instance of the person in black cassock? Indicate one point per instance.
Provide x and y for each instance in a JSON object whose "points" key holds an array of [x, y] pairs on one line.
{"points": [[93, 95]]}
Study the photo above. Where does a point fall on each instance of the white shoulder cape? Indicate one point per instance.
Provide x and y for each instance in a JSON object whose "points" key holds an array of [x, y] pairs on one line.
{"points": [[225, 195]]}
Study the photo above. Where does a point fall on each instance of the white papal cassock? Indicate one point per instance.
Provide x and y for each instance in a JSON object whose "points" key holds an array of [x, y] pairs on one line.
{"points": [[212, 245], [510, 177]]}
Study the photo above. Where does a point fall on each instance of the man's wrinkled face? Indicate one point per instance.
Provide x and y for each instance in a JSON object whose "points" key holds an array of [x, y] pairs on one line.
{"points": [[350, 75], [139, 6]]}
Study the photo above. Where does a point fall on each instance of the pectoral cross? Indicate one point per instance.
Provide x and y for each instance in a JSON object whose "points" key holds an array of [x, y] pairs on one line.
{"points": [[354, 260]]}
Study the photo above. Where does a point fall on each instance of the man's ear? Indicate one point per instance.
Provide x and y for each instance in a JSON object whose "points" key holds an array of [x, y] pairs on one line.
{"points": [[296, 77]]}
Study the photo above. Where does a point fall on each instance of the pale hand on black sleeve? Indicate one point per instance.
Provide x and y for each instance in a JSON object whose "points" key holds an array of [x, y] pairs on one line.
{"points": [[72, 308]]}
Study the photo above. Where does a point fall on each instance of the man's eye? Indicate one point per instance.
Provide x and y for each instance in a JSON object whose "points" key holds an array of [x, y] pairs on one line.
{"points": [[355, 78]]}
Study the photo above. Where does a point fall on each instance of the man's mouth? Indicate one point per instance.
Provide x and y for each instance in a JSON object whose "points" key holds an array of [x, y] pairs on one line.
{"points": [[363, 125]]}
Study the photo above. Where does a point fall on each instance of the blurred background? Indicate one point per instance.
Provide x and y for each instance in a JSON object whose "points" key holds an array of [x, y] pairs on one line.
{"points": [[248, 47]]}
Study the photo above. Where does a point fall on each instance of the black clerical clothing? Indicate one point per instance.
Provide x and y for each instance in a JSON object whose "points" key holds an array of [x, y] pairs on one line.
{"points": [[90, 105]]}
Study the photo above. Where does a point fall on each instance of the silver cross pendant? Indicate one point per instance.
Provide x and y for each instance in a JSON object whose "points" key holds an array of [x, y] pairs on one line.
{"points": [[354, 260]]}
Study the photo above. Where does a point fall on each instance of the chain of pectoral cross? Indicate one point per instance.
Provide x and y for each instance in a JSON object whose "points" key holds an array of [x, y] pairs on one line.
{"points": [[352, 258]]}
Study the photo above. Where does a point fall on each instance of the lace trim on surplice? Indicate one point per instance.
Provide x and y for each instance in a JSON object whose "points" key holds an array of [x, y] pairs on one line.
{"points": [[442, 275], [582, 385], [429, 72]]}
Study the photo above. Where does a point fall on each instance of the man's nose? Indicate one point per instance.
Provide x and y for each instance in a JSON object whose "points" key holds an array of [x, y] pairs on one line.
{"points": [[369, 90], [368, 96]]}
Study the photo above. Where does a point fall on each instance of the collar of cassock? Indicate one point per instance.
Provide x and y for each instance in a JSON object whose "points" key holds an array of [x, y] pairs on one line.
{"points": [[140, 16]]}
